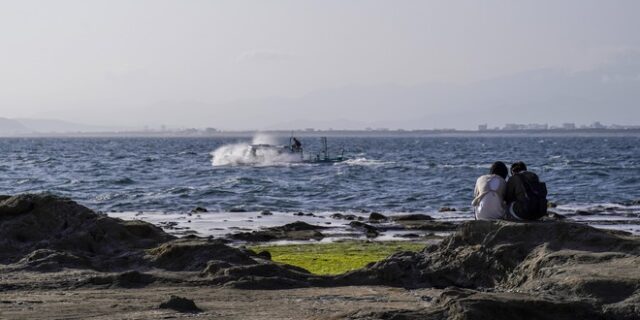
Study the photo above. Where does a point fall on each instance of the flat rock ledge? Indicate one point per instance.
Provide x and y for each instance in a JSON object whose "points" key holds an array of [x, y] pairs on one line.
{"points": [[496, 270]]}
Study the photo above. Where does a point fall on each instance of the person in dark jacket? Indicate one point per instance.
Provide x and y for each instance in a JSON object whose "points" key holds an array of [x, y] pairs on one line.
{"points": [[525, 195]]}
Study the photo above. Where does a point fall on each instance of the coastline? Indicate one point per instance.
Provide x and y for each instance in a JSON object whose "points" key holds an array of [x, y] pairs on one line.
{"points": [[76, 263]]}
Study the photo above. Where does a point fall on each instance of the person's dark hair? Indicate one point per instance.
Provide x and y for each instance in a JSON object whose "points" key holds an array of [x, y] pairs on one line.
{"points": [[500, 169], [518, 167]]}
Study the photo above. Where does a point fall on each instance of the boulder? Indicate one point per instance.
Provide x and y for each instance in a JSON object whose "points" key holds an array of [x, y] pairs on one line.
{"points": [[199, 210], [180, 304], [194, 254], [377, 217], [464, 304], [412, 217], [293, 231], [265, 276], [350, 217], [555, 258], [538, 270], [369, 231], [72, 233]]}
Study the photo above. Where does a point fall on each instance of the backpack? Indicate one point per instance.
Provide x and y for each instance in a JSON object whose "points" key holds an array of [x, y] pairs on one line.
{"points": [[536, 195]]}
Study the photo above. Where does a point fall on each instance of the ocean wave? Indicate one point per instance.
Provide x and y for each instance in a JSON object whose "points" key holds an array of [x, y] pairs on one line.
{"points": [[366, 162], [123, 181], [29, 181]]}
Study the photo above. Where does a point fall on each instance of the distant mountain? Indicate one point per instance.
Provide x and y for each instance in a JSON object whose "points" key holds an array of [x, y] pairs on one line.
{"points": [[11, 127], [609, 93], [60, 126]]}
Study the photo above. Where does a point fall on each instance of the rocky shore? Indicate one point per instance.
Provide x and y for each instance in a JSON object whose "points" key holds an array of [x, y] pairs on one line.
{"points": [[62, 260]]}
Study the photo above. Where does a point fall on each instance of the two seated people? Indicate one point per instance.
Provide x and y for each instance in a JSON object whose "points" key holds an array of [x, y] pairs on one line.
{"points": [[521, 198]]}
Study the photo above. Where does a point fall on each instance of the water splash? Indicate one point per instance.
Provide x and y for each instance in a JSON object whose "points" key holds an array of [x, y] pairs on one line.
{"points": [[269, 154]]}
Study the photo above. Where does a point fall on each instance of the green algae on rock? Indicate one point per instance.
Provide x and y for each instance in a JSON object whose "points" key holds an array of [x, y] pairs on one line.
{"points": [[336, 258]]}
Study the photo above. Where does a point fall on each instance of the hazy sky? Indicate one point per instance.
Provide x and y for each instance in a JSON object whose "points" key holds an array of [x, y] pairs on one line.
{"points": [[192, 62]]}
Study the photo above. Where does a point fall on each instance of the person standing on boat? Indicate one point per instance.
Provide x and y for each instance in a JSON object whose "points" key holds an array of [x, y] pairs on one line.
{"points": [[296, 146], [488, 202]]}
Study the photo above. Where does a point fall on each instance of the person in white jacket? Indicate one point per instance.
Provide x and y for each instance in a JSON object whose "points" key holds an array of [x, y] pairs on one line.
{"points": [[488, 202]]}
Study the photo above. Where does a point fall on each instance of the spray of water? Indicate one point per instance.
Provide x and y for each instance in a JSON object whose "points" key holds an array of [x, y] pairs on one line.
{"points": [[262, 138], [244, 154]]}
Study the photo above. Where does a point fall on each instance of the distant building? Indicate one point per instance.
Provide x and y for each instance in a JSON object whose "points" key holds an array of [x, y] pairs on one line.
{"points": [[482, 127], [537, 126], [513, 126], [309, 129], [569, 126], [597, 125]]}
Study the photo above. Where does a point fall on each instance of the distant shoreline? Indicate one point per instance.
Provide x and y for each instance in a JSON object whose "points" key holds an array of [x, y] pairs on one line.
{"points": [[337, 133]]}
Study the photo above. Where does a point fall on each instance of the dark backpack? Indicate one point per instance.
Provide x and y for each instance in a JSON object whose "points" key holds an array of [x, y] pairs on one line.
{"points": [[536, 195]]}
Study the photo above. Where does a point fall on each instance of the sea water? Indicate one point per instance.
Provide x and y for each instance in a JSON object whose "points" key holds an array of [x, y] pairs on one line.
{"points": [[594, 178]]}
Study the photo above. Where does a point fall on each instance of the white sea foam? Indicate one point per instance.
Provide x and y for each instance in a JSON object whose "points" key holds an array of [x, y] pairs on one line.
{"points": [[366, 162], [241, 154]]}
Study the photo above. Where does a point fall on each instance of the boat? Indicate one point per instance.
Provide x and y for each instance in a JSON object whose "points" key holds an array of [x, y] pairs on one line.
{"points": [[323, 156], [295, 151]]}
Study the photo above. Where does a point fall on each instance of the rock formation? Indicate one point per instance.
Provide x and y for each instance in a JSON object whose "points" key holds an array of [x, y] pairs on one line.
{"points": [[497, 270]]}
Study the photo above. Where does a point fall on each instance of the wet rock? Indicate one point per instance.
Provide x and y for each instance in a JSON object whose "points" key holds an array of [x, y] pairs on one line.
{"points": [[237, 210], [447, 209], [199, 210], [584, 213], [631, 203], [13, 206], [349, 217], [377, 217], [551, 204], [407, 235], [297, 226], [180, 304], [370, 231], [412, 217], [264, 255], [302, 214], [293, 231], [266, 213]]}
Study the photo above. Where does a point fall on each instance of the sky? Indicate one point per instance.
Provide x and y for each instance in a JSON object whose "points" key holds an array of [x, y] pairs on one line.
{"points": [[326, 63]]}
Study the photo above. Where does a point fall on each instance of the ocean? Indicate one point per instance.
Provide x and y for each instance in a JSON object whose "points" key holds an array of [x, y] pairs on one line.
{"points": [[595, 179]]}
